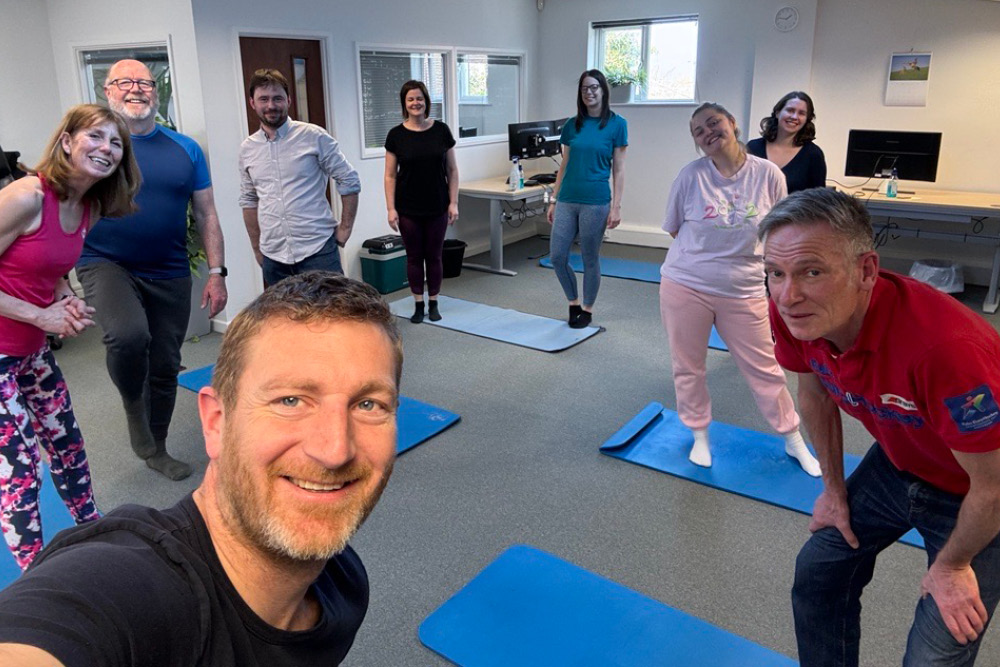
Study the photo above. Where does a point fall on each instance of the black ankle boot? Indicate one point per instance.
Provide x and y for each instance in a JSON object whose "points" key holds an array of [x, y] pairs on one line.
{"points": [[574, 314], [418, 312]]}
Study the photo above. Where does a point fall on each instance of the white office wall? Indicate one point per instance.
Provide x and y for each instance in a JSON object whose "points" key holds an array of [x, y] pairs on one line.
{"points": [[29, 104], [854, 39], [735, 41], [505, 24], [98, 23]]}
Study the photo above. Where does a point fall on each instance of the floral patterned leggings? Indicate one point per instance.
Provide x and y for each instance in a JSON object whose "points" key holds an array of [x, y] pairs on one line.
{"points": [[35, 411]]}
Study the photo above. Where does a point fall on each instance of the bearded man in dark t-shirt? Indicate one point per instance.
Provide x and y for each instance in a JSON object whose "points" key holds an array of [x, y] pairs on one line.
{"points": [[253, 568]]}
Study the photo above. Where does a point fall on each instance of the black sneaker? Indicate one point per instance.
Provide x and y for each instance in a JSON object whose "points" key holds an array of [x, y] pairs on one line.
{"points": [[583, 321]]}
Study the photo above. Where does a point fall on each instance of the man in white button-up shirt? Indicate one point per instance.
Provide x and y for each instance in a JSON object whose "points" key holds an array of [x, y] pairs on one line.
{"points": [[284, 170]]}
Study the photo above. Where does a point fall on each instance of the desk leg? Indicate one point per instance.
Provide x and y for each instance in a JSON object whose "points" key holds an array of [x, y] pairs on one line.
{"points": [[496, 244], [990, 305]]}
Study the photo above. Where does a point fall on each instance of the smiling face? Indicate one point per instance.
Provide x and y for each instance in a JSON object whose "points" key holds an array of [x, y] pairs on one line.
{"points": [[793, 116], [416, 105], [309, 444], [713, 131], [94, 152], [592, 95], [821, 289], [134, 104], [271, 105]]}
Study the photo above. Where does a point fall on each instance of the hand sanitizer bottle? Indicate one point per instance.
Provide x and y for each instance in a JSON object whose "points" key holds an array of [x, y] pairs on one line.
{"points": [[514, 177], [892, 187]]}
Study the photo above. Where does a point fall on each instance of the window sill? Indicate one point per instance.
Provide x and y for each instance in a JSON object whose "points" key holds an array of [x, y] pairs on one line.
{"points": [[658, 103]]}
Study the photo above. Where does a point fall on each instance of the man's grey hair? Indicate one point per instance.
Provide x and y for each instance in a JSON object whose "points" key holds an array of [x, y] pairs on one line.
{"points": [[844, 214]]}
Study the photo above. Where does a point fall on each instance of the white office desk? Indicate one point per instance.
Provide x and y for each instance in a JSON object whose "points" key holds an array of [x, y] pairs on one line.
{"points": [[943, 206], [495, 190]]}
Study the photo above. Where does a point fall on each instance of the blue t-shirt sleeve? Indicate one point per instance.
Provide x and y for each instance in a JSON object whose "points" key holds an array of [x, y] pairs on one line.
{"points": [[202, 176], [568, 131], [621, 133]]}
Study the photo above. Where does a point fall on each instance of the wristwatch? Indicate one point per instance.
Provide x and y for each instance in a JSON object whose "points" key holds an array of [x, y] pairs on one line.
{"points": [[219, 270]]}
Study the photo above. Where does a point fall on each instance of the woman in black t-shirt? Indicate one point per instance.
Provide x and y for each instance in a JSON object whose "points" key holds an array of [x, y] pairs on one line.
{"points": [[421, 192], [787, 141]]}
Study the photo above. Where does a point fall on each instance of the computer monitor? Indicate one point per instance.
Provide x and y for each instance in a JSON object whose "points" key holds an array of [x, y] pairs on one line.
{"points": [[874, 154], [535, 139]]}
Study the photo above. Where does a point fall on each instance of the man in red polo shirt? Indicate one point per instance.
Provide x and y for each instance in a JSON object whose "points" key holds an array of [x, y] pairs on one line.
{"points": [[922, 373]]}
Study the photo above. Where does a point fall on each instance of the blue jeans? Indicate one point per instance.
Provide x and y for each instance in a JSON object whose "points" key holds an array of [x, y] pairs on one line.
{"points": [[830, 576], [588, 221], [327, 259]]}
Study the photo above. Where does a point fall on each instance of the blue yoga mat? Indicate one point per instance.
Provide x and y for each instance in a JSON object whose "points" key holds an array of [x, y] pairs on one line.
{"points": [[55, 517], [503, 324], [715, 341], [744, 462], [631, 269], [530, 608], [416, 421]]}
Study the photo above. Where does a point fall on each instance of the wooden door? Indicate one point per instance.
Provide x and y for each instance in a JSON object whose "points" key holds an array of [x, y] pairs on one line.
{"points": [[301, 62]]}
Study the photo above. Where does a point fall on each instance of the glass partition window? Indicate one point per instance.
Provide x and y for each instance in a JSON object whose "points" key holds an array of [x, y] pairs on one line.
{"points": [[95, 63], [382, 75], [657, 57], [478, 93], [488, 94]]}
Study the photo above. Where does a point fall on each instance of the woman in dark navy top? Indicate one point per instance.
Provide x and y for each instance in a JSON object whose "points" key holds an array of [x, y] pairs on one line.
{"points": [[787, 140]]}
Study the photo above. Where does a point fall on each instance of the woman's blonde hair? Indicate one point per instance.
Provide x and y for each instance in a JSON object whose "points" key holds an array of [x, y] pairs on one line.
{"points": [[115, 194]]}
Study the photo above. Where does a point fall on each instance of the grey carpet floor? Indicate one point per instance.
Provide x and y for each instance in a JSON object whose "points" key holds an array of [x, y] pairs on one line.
{"points": [[523, 467]]}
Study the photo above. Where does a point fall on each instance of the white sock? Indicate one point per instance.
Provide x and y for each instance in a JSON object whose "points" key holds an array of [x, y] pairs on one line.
{"points": [[795, 447], [701, 454]]}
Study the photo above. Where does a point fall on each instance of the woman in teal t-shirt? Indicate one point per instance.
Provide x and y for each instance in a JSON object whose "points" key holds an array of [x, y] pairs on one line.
{"points": [[593, 149]]}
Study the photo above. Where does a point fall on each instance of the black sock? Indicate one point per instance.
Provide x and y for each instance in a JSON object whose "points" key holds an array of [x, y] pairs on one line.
{"points": [[583, 321], [139, 435], [574, 313], [432, 310], [167, 465], [418, 312]]}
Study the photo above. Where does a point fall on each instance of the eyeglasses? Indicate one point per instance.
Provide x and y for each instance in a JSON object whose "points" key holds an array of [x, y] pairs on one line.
{"points": [[593, 88], [145, 85]]}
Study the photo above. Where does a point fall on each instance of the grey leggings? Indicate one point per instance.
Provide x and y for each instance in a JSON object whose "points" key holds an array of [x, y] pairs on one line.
{"points": [[588, 221], [144, 323]]}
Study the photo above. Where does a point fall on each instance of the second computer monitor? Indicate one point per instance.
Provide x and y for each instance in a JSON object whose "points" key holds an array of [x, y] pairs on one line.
{"points": [[535, 139], [875, 153]]}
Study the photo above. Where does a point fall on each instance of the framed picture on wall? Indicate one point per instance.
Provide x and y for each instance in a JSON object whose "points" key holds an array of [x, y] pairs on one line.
{"points": [[909, 74]]}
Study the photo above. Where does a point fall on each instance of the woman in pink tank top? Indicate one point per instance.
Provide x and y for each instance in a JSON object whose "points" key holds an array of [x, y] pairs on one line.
{"points": [[87, 171]]}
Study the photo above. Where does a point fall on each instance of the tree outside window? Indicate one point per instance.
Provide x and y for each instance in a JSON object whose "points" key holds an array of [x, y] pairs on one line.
{"points": [[657, 56]]}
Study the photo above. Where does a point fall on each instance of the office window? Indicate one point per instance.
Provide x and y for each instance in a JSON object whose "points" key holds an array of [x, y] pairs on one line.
{"points": [[95, 63], [488, 93], [657, 56], [383, 73]]}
